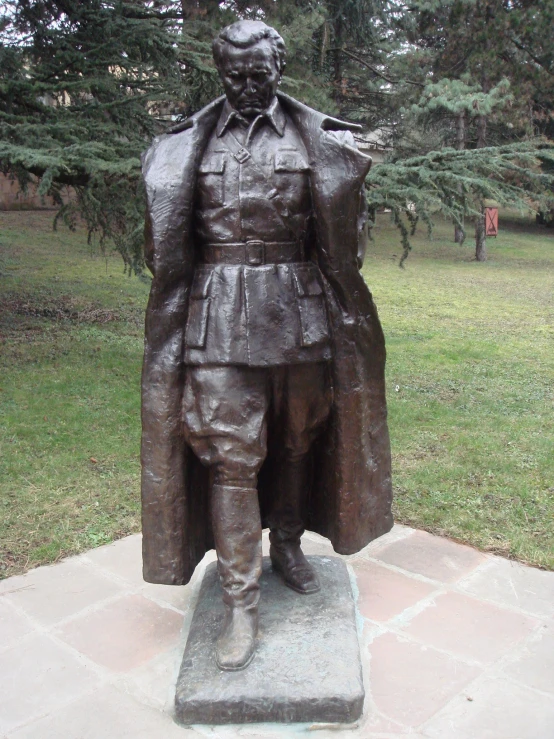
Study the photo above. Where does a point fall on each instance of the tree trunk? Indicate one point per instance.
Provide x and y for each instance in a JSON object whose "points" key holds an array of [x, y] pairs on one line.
{"points": [[191, 9], [459, 233], [480, 237], [338, 28], [480, 230], [481, 131], [324, 45]]}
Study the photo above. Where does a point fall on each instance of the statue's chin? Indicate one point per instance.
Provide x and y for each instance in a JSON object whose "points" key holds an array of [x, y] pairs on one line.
{"points": [[251, 110], [250, 113]]}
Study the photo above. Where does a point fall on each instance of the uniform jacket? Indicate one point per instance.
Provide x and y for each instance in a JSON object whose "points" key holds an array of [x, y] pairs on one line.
{"points": [[350, 497], [261, 314]]}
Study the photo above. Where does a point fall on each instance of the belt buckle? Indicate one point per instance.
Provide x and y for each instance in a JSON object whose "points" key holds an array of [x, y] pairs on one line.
{"points": [[255, 253]]}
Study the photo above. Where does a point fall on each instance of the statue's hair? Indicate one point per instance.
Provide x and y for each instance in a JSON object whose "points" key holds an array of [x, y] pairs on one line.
{"points": [[243, 34]]}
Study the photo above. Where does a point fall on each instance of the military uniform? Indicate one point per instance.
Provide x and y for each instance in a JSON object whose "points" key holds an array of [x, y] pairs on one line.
{"points": [[257, 337], [349, 490]]}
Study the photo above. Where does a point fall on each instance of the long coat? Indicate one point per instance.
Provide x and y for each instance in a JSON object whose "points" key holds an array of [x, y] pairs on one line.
{"points": [[350, 497]]}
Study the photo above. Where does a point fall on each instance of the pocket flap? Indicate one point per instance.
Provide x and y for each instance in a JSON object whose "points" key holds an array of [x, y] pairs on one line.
{"points": [[212, 164], [197, 324], [290, 161], [306, 282], [201, 284]]}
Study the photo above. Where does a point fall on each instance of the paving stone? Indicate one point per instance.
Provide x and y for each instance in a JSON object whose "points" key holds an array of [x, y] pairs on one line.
{"points": [[154, 682], [470, 628], [125, 633], [50, 594], [437, 558], [122, 558], [535, 667], [499, 709], [13, 625], [105, 714], [410, 682], [48, 691], [314, 544], [36, 676], [384, 593], [307, 666], [397, 533], [375, 723], [513, 584], [177, 596]]}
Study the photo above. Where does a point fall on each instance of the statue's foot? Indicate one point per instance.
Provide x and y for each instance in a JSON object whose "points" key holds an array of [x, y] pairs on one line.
{"points": [[289, 561], [236, 643]]}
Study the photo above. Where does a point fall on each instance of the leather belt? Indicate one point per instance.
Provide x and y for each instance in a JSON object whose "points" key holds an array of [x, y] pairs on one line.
{"points": [[253, 252]]}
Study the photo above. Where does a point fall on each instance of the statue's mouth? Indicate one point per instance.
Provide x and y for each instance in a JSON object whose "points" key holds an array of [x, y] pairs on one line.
{"points": [[251, 104]]}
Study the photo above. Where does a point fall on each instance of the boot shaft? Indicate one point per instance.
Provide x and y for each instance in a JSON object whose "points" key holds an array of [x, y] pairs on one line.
{"points": [[238, 541]]}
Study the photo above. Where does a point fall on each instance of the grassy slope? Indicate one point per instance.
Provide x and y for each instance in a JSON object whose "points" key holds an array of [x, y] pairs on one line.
{"points": [[470, 380]]}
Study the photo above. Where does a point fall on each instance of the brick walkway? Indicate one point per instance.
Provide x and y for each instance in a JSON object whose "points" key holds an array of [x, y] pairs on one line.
{"points": [[456, 644]]}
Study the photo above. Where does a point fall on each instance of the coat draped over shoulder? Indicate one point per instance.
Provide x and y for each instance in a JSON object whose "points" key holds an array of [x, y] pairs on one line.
{"points": [[350, 497]]}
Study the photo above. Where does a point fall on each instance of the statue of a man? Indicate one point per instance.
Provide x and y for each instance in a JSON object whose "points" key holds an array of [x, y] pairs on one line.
{"points": [[263, 381]]}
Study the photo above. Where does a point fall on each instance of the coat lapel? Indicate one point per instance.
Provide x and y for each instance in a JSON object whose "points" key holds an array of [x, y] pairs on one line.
{"points": [[351, 494], [169, 169], [338, 172], [175, 520]]}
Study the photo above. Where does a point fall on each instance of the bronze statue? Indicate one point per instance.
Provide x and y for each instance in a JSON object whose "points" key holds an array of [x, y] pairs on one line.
{"points": [[263, 380]]}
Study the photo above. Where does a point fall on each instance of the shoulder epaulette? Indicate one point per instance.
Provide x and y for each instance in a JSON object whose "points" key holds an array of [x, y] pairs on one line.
{"points": [[181, 126]]}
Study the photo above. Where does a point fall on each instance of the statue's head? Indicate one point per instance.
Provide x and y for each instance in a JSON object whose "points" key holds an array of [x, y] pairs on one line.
{"points": [[250, 58]]}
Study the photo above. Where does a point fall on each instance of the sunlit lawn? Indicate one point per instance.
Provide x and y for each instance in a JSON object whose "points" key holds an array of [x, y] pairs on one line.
{"points": [[470, 384]]}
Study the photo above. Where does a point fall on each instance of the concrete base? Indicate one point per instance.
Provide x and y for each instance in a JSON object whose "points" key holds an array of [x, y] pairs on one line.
{"points": [[307, 665]]}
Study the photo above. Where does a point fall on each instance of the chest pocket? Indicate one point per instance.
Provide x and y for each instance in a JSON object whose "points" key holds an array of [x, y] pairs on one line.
{"points": [[211, 180], [292, 179], [290, 160]]}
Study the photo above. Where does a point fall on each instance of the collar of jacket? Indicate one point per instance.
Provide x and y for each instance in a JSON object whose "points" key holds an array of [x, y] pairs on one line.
{"points": [[327, 123], [273, 115]]}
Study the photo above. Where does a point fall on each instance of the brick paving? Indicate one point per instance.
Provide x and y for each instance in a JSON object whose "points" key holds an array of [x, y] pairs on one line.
{"points": [[455, 644]]}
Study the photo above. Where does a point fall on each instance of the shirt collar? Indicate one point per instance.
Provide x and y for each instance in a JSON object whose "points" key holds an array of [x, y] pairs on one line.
{"points": [[274, 115]]}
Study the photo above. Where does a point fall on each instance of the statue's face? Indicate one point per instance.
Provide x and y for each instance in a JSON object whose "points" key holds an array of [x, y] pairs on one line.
{"points": [[250, 78]]}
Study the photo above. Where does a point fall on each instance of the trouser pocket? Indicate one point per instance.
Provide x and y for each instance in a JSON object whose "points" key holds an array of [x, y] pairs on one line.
{"points": [[311, 306], [199, 310]]}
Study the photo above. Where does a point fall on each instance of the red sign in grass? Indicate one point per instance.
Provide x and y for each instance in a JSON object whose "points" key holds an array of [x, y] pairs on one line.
{"points": [[491, 221]]}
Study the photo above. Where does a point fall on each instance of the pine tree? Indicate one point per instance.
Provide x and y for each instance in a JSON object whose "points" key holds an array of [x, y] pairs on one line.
{"points": [[85, 85], [481, 42], [458, 101], [83, 88]]}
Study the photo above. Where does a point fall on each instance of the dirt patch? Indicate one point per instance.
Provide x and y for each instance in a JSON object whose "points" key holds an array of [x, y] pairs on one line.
{"points": [[62, 308]]}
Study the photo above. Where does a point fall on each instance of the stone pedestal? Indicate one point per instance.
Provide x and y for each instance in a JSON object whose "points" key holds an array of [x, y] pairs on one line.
{"points": [[307, 665]]}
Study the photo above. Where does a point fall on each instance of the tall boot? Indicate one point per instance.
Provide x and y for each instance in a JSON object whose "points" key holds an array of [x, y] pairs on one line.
{"points": [[286, 528], [238, 541]]}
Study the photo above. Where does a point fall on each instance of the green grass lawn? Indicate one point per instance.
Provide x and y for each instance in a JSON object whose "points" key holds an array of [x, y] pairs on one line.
{"points": [[470, 386]]}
